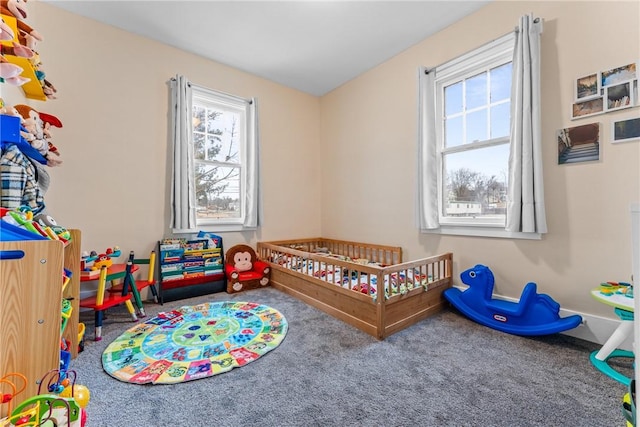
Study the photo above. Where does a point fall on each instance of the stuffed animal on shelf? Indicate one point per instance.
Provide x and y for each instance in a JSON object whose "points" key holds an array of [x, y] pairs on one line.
{"points": [[6, 32], [23, 45], [27, 36], [244, 270], [9, 72], [17, 49], [24, 178], [38, 133]]}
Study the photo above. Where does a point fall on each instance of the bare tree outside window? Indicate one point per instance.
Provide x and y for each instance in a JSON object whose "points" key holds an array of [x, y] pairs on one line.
{"points": [[217, 162]]}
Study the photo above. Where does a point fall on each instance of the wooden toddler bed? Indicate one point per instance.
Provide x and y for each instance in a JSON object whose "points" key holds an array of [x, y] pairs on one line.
{"points": [[365, 285]]}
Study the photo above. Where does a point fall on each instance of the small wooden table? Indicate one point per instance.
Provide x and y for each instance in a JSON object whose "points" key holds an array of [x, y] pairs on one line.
{"points": [[105, 299]]}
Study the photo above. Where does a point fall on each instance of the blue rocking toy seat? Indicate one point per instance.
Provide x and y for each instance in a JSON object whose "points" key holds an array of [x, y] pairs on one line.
{"points": [[535, 314]]}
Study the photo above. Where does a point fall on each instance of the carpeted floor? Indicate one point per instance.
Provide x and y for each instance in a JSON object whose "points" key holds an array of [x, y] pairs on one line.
{"points": [[443, 371]]}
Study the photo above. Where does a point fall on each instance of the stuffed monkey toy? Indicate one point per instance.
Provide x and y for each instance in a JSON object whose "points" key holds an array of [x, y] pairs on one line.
{"points": [[17, 8], [38, 132]]}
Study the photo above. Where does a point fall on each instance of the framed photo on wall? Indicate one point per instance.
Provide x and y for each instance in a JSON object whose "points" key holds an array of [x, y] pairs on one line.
{"points": [[587, 87], [625, 130], [618, 75], [587, 108], [619, 96], [579, 144]]}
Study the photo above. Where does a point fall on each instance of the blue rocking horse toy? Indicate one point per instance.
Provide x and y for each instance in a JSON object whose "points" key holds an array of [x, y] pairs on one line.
{"points": [[534, 314]]}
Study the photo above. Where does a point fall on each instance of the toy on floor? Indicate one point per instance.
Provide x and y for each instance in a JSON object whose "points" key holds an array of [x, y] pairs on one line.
{"points": [[534, 314], [629, 405], [7, 383], [50, 408], [60, 405], [244, 270], [618, 295]]}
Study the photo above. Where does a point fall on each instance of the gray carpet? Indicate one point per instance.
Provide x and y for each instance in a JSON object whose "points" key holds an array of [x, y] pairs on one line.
{"points": [[443, 371]]}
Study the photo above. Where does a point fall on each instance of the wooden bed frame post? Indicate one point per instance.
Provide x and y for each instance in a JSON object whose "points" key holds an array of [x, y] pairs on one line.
{"points": [[380, 305]]}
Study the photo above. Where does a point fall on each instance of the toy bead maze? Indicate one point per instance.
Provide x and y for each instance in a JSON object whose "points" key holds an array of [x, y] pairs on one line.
{"points": [[534, 314], [194, 342]]}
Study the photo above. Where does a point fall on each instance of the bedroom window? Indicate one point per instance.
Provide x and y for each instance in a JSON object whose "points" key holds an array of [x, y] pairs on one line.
{"points": [[215, 162], [475, 177], [472, 130], [219, 141]]}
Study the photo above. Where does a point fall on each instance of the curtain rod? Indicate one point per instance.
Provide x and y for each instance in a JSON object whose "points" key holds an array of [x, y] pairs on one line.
{"points": [[516, 30], [217, 92]]}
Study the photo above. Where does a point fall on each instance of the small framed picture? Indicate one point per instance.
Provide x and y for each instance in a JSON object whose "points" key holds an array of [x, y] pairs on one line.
{"points": [[619, 75], [619, 96], [625, 130], [587, 108], [579, 144], [587, 87]]}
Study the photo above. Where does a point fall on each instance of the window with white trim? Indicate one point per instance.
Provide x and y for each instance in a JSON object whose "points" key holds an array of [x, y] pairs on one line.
{"points": [[220, 138], [472, 124]]}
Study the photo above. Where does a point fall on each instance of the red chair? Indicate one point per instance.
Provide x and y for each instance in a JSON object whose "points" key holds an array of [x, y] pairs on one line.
{"points": [[244, 270]]}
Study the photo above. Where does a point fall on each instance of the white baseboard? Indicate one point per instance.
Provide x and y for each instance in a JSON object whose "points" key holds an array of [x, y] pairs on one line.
{"points": [[594, 329]]}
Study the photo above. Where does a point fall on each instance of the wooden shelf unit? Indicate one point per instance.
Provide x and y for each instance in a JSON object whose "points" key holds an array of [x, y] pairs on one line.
{"points": [[31, 298]]}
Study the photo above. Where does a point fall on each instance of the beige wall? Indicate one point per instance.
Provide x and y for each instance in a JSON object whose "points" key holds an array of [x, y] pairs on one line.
{"points": [[355, 146], [113, 101], [369, 138]]}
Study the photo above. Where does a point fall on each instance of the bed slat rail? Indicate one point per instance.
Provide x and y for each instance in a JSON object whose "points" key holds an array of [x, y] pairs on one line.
{"points": [[382, 254], [427, 272]]}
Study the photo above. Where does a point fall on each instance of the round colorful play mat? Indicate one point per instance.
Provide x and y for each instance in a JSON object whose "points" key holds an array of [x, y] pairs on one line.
{"points": [[194, 342]]}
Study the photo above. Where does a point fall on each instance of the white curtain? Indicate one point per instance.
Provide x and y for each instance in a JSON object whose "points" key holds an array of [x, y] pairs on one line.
{"points": [[183, 204], [427, 156], [525, 201], [253, 193]]}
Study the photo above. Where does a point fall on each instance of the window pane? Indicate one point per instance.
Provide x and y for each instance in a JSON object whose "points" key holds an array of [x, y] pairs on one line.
{"points": [[453, 132], [453, 99], [233, 126], [217, 192], [198, 146], [477, 126], [223, 130], [501, 83], [476, 182], [213, 146], [198, 118], [500, 120], [476, 91]]}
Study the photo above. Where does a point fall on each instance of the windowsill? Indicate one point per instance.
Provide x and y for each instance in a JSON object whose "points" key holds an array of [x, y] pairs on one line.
{"points": [[216, 229], [474, 231]]}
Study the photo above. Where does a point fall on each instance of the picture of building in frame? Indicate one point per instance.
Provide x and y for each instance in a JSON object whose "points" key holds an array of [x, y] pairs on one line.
{"points": [[579, 144]]}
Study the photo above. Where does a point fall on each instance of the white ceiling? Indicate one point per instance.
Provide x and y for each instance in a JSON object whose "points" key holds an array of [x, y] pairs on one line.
{"points": [[313, 46]]}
